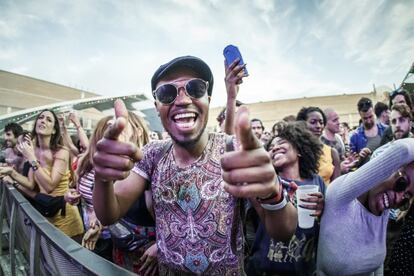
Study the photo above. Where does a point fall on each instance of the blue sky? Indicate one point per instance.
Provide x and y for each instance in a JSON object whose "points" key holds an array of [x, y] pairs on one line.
{"points": [[292, 48]]}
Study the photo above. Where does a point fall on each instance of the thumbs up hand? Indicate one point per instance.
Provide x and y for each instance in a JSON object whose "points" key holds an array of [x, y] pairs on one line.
{"points": [[114, 158], [248, 171]]}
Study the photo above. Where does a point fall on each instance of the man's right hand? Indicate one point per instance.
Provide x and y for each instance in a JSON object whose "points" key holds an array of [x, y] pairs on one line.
{"points": [[113, 158], [365, 152]]}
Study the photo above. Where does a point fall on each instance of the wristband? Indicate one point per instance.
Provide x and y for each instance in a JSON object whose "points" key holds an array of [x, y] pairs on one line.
{"points": [[275, 197], [275, 207]]}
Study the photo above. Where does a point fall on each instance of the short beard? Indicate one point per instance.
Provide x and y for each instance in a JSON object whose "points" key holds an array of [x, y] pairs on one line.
{"points": [[368, 126], [189, 143], [405, 135]]}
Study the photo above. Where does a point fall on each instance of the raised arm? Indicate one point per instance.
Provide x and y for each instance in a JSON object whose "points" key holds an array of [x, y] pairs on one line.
{"points": [[352, 185], [113, 162], [83, 138], [234, 77], [67, 141], [249, 173]]}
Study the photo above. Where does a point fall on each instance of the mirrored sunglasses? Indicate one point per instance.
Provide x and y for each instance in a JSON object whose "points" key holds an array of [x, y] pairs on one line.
{"points": [[167, 93]]}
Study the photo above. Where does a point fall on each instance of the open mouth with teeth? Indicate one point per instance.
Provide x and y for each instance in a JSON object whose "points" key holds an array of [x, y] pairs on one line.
{"points": [[386, 200], [185, 120], [278, 155]]}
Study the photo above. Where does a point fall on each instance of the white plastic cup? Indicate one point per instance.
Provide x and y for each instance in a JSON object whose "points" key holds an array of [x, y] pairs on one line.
{"points": [[305, 219]]}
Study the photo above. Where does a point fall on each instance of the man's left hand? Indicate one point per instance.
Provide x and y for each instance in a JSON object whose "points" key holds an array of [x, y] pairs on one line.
{"points": [[248, 171]]}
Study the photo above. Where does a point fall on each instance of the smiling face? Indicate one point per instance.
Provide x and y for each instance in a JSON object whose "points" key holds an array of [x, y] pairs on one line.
{"points": [[186, 118], [9, 139], [282, 153], [314, 123], [45, 124], [385, 197]]}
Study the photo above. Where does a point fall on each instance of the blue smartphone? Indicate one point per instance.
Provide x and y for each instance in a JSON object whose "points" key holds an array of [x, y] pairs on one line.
{"points": [[231, 53]]}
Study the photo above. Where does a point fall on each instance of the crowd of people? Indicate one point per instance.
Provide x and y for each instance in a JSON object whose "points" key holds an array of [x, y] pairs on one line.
{"points": [[224, 203]]}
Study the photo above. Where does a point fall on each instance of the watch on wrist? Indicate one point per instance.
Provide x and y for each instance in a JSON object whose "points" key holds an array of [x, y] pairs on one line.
{"points": [[35, 165]]}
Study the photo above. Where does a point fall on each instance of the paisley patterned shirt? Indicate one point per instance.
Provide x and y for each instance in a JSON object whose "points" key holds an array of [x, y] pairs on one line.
{"points": [[198, 223]]}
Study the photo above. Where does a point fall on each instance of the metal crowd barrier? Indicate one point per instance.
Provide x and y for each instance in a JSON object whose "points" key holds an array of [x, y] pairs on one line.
{"points": [[36, 247]]}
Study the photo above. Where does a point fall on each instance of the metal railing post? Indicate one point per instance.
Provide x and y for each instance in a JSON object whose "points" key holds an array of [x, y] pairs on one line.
{"points": [[12, 237], [34, 252], [2, 212]]}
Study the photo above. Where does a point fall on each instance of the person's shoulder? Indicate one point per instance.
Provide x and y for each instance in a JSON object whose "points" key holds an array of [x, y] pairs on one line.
{"points": [[326, 148], [381, 127], [360, 130], [338, 138], [381, 149], [316, 178], [223, 141], [324, 139], [62, 151], [156, 148], [8, 152]]}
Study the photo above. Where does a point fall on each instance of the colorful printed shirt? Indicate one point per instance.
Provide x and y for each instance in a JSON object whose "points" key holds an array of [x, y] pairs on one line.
{"points": [[198, 224]]}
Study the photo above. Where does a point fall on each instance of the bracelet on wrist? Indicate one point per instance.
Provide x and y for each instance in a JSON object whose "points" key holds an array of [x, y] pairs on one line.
{"points": [[275, 207], [273, 198]]}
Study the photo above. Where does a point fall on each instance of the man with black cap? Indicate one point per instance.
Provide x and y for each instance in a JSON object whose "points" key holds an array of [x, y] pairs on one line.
{"points": [[197, 186]]}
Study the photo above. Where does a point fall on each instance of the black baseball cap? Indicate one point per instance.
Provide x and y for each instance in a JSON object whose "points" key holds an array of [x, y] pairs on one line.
{"points": [[193, 63]]}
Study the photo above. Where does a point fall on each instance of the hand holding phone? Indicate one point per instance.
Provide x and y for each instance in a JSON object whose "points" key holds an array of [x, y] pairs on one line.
{"points": [[231, 53]]}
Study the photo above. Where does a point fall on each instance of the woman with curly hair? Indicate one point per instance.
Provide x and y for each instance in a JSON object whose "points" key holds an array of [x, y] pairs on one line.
{"points": [[295, 153], [329, 162]]}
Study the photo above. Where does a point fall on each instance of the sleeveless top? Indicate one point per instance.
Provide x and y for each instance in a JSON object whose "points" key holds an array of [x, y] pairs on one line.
{"points": [[70, 224], [326, 167]]}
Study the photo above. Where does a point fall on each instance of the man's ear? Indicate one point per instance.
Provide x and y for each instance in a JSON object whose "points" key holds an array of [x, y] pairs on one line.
{"points": [[209, 99]]}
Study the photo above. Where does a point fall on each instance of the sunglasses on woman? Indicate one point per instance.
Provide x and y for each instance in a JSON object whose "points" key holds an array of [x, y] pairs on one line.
{"points": [[167, 93]]}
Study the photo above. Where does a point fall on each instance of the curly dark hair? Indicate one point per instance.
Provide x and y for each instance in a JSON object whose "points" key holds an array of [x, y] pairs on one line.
{"points": [[306, 144], [304, 112]]}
